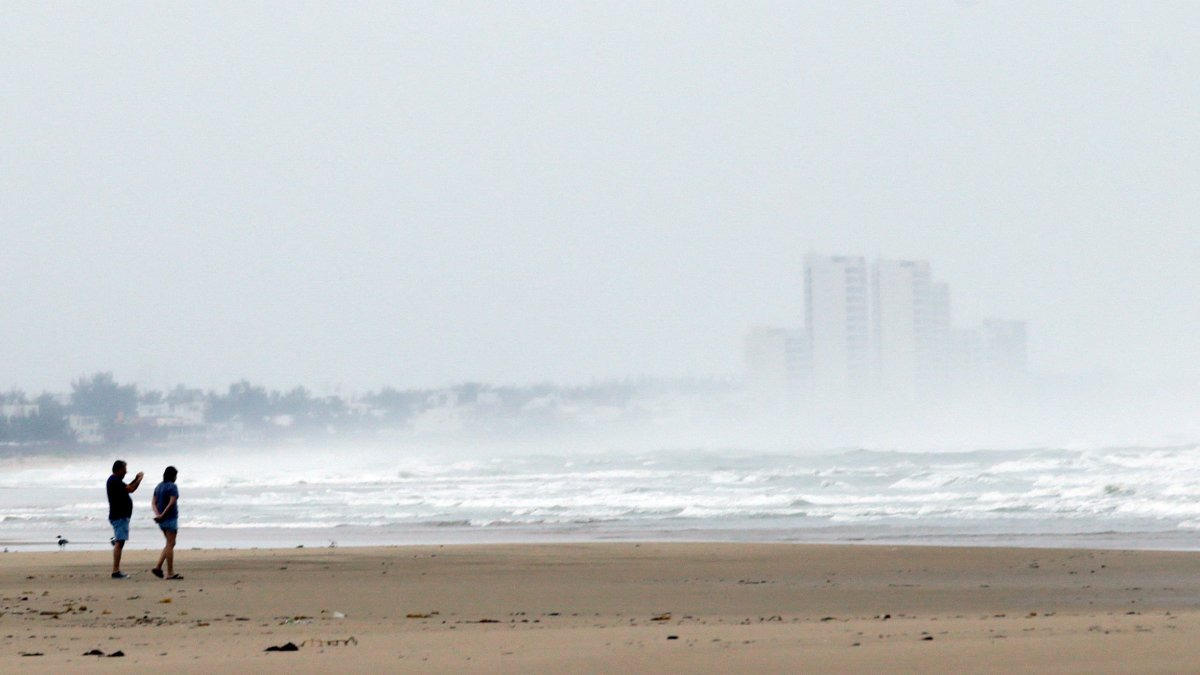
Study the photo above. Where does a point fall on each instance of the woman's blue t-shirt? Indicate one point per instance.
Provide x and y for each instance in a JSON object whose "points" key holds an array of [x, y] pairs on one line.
{"points": [[162, 494]]}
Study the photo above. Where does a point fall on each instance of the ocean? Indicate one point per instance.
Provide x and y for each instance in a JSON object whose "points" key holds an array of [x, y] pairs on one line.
{"points": [[1125, 497]]}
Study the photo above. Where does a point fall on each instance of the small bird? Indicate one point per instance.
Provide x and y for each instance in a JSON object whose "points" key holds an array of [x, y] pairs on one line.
{"points": [[62, 543]]}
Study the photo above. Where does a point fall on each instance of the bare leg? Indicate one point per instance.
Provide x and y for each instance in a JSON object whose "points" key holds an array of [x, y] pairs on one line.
{"points": [[168, 553], [162, 554], [117, 546]]}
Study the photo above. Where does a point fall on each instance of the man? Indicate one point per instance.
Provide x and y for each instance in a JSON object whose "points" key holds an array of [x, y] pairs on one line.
{"points": [[166, 513], [120, 510]]}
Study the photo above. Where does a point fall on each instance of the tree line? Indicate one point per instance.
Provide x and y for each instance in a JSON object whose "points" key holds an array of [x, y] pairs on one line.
{"points": [[115, 407]]}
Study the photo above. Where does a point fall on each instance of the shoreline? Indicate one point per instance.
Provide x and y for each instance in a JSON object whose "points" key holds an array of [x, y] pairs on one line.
{"points": [[146, 537], [600, 607]]}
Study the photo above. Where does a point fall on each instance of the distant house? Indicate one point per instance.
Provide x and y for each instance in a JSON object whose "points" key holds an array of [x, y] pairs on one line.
{"points": [[86, 428], [191, 414], [18, 410], [173, 415], [154, 410]]}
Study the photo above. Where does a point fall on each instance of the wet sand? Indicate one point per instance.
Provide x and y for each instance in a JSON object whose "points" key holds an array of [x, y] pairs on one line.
{"points": [[598, 608]]}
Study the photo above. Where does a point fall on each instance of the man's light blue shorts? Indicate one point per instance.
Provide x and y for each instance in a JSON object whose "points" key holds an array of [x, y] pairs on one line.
{"points": [[120, 529]]}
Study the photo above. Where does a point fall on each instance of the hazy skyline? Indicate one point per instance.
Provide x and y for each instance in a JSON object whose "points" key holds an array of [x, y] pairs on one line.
{"points": [[420, 194]]}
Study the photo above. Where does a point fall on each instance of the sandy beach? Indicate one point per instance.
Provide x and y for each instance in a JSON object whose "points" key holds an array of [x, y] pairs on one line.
{"points": [[607, 607]]}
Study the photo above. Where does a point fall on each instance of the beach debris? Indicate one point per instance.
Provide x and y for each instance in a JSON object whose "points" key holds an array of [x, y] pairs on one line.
{"points": [[927, 638], [116, 655], [665, 616], [165, 601], [318, 642], [338, 615], [94, 652], [32, 654], [672, 637], [286, 647], [420, 615]]}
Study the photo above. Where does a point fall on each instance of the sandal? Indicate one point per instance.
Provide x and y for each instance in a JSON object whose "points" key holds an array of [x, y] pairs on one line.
{"points": [[157, 571], [175, 577]]}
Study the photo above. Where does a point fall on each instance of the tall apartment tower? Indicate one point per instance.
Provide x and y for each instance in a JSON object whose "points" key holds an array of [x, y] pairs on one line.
{"points": [[899, 291], [910, 328], [835, 294]]}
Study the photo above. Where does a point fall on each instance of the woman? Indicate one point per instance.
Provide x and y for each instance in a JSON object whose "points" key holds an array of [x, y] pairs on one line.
{"points": [[166, 513]]}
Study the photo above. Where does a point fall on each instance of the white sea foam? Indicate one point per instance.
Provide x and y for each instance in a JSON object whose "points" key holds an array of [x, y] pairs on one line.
{"points": [[1042, 490]]}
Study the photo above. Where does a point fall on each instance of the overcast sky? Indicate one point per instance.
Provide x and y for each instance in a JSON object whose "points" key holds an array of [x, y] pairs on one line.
{"points": [[353, 195]]}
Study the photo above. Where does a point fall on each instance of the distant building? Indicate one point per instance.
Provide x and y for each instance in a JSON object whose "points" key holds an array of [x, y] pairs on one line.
{"points": [[176, 415], [899, 288], [18, 410], [154, 409], [940, 326], [910, 328], [799, 362], [86, 428], [893, 339], [1004, 352], [964, 359], [766, 356], [778, 363], [835, 293]]}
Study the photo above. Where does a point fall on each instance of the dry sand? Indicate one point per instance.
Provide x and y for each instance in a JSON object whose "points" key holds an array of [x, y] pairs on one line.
{"points": [[610, 607]]}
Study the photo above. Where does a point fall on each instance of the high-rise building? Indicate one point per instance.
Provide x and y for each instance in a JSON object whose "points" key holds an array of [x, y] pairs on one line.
{"points": [[936, 361], [899, 288], [835, 293], [910, 328], [888, 333]]}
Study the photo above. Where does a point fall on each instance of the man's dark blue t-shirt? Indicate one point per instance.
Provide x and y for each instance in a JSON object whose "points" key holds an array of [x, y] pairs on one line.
{"points": [[120, 504], [162, 494]]}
